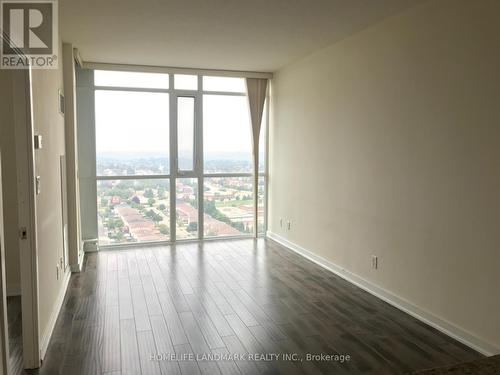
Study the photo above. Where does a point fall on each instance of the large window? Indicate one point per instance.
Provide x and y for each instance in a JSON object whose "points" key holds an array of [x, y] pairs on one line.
{"points": [[133, 211], [229, 207], [227, 142], [185, 82], [131, 79], [132, 133], [174, 158], [186, 208], [224, 84], [186, 133]]}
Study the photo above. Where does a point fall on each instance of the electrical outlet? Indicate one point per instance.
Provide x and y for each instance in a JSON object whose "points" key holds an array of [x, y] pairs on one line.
{"points": [[374, 262], [289, 225]]}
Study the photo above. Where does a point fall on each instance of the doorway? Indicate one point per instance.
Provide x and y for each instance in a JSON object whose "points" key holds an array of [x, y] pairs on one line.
{"points": [[19, 295]]}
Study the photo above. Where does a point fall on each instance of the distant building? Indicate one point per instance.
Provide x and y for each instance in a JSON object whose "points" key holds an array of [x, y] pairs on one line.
{"points": [[115, 199], [186, 213], [140, 227]]}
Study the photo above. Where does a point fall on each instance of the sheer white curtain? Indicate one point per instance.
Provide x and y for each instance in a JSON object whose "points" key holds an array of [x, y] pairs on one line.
{"points": [[256, 90]]}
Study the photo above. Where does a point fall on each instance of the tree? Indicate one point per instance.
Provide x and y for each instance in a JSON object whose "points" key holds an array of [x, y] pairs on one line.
{"points": [[138, 185], [149, 193], [238, 226], [212, 210], [164, 229], [192, 227], [120, 192], [104, 202], [162, 207], [151, 201], [115, 223], [161, 192], [111, 223], [124, 184]]}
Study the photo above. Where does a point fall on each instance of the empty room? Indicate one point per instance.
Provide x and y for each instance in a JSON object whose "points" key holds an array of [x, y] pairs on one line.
{"points": [[249, 187]]}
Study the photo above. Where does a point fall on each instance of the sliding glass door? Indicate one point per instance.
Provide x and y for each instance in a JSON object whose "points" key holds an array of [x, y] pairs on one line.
{"points": [[174, 158]]}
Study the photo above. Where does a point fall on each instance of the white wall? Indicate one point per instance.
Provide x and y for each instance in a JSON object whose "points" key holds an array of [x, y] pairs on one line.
{"points": [[388, 143], [50, 124]]}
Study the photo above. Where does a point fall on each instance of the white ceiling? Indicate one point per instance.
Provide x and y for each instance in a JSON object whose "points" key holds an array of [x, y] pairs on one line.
{"points": [[253, 35]]}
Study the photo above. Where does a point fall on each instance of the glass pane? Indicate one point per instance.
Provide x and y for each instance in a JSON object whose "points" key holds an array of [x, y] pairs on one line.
{"points": [[130, 211], [261, 225], [186, 223], [185, 133], [132, 133], [131, 79], [227, 144], [185, 82], [224, 84], [228, 205], [263, 140]]}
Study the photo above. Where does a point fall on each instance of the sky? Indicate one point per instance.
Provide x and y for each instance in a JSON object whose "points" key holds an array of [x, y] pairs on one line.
{"points": [[138, 122]]}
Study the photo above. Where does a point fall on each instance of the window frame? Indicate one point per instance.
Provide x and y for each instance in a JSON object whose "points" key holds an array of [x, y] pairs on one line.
{"points": [[198, 170]]}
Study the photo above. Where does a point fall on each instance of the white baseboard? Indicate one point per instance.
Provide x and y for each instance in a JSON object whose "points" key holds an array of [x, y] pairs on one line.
{"points": [[13, 290], [434, 321], [47, 334], [91, 245], [75, 267]]}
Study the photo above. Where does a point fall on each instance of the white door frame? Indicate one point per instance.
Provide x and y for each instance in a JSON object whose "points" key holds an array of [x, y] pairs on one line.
{"points": [[26, 193], [4, 329]]}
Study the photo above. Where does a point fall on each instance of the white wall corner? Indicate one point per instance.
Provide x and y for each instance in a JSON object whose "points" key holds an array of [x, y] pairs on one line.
{"points": [[400, 303]]}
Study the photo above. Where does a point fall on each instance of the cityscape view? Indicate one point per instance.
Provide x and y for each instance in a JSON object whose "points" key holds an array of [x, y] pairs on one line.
{"points": [[138, 210]]}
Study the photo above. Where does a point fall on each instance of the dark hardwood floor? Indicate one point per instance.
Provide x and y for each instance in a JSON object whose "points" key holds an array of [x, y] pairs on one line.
{"points": [[15, 334], [231, 297]]}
